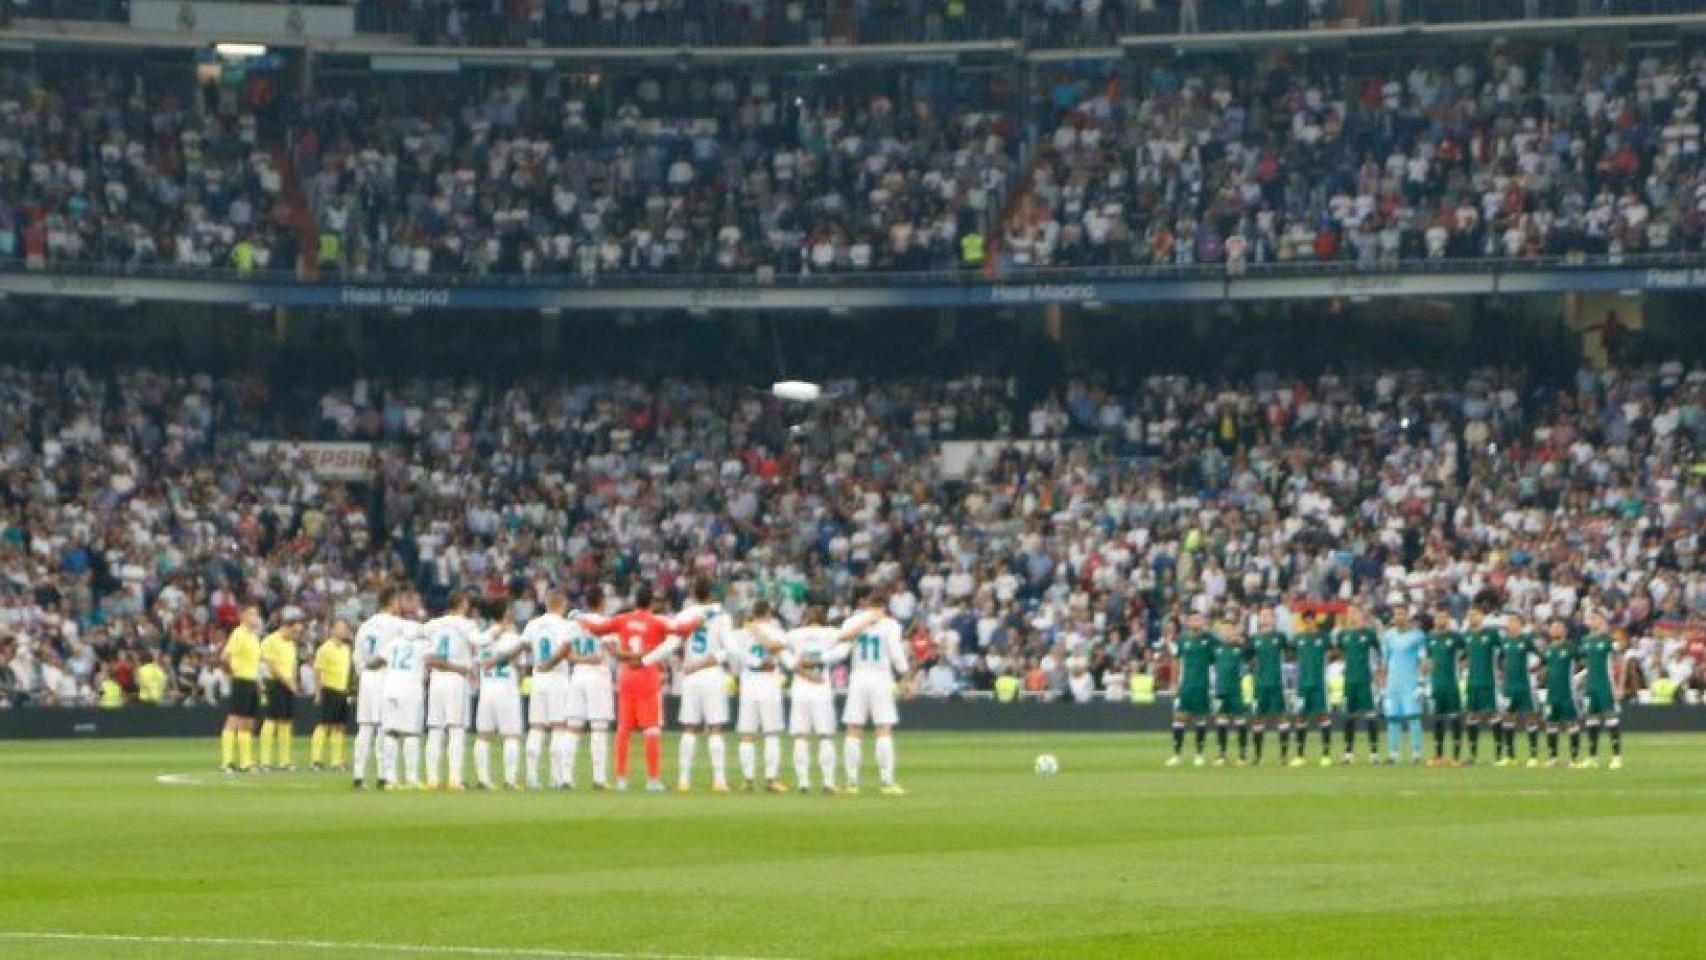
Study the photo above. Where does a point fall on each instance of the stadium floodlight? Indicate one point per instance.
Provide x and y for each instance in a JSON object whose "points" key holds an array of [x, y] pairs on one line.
{"points": [[797, 390], [240, 51]]}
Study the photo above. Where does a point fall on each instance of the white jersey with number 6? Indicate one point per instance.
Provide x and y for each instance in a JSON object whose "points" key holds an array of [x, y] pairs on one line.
{"points": [[877, 656]]}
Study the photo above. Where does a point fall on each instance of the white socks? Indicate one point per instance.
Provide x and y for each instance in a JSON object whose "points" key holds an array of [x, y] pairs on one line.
{"points": [[802, 763], [535, 746], [748, 752], [483, 761], [600, 750], [772, 757], [388, 759], [512, 759], [560, 772], [826, 760], [434, 753], [851, 758], [885, 760], [719, 760], [458, 749], [684, 756], [412, 759], [363, 750]]}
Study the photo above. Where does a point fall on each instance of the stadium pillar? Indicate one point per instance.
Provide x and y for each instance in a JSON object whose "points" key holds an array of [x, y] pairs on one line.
{"points": [[550, 334]]}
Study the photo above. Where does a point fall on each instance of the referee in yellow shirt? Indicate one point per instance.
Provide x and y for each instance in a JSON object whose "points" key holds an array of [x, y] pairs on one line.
{"points": [[331, 668], [278, 652], [241, 658]]}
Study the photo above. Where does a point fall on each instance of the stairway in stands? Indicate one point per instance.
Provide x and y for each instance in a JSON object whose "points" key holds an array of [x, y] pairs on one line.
{"points": [[301, 214]]}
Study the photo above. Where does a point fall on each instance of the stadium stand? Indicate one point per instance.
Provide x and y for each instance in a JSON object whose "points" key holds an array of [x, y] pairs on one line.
{"points": [[137, 515]]}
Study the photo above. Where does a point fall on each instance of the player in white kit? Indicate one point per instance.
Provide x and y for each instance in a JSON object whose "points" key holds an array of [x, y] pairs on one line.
{"points": [[499, 711], [810, 650], [878, 657], [452, 640], [368, 657], [704, 688], [548, 637], [591, 705], [756, 647], [405, 654]]}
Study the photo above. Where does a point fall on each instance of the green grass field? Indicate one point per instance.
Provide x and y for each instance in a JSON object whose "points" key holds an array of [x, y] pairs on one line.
{"points": [[1116, 857]]}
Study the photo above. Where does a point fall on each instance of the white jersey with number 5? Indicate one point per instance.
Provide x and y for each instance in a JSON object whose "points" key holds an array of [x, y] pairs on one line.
{"points": [[878, 655], [704, 693]]}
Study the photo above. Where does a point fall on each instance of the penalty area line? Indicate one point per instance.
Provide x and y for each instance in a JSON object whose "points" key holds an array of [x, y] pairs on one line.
{"points": [[346, 946]]}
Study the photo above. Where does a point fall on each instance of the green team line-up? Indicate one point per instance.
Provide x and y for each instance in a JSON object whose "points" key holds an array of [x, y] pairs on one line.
{"points": [[1481, 676]]}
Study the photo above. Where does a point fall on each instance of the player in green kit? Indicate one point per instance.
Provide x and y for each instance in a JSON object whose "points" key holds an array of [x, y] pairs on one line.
{"points": [[1267, 647], [1359, 646], [1230, 710], [1559, 662], [1445, 645], [1604, 658], [1481, 645], [1518, 687], [1191, 706], [1311, 648]]}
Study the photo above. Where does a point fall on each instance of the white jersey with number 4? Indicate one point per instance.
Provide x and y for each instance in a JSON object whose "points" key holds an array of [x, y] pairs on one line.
{"points": [[878, 655], [452, 639]]}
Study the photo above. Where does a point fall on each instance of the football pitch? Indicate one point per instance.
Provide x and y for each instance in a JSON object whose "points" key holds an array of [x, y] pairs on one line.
{"points": [[135, 849]]}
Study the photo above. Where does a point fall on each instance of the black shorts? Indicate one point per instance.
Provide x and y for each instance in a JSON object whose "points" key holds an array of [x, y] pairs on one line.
{"points": [[281, 703], [245, 700], [334, 708]]}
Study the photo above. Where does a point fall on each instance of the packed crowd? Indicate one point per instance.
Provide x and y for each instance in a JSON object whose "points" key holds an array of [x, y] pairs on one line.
{"points": [[1551, 152], [1525, 153], [138, 518], [703, 174], [106, 165]]}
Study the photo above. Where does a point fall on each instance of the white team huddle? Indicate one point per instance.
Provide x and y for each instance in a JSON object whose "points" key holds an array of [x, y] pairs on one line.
{"points": [[434, 677]]}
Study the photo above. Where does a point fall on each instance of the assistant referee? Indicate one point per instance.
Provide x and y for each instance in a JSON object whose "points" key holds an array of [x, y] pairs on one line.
{"points": [[278, 652], [242, 660], [332, 668]]}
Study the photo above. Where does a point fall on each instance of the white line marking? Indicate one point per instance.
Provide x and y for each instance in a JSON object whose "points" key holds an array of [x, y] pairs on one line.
{"points": [[353, 946]]}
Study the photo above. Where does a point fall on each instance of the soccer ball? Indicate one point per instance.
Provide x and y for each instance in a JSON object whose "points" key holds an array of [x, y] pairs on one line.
{"points": [[1047, 765]]}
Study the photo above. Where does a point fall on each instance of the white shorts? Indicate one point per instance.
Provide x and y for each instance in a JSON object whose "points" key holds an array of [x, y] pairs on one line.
{"points": [[370, 697], [591, 697], [499, 711], [548, 705], [760, 704], [403, 713], [870, 697], [705, 698], [447, 700], [812, 711]]}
